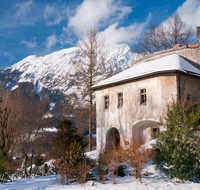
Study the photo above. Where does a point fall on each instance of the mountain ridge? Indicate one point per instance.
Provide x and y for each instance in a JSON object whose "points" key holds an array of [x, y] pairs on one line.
{"points": [[52, 71]]}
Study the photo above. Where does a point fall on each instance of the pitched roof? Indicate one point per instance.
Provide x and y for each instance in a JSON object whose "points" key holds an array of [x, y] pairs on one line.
{"points": [[171, 62]]}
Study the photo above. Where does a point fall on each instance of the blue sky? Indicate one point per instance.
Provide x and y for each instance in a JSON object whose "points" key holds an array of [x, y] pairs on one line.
{"points": [[40, 27]]}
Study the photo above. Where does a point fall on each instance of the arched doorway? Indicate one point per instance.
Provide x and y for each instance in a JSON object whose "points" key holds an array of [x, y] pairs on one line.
{"points": [[113, 138], [143, 130]]}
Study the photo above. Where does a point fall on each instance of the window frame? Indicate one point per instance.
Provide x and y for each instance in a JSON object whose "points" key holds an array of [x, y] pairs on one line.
{"points": [[143, 100], [120, 100], [106, 102]]}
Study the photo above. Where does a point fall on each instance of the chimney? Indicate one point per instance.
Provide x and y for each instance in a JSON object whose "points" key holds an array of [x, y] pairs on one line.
{"points": [[198, 35]]}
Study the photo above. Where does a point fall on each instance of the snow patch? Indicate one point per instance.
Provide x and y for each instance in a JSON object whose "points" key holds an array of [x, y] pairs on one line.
{"points": [[48, 115], [51, 105], [14, 87], [49, 130]]}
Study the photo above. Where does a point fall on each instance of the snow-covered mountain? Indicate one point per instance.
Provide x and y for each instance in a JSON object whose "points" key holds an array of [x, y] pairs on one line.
{"points": [[53, 70]]}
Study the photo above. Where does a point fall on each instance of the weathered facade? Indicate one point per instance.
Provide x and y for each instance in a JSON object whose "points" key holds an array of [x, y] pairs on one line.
{"points": [[130, 104]]}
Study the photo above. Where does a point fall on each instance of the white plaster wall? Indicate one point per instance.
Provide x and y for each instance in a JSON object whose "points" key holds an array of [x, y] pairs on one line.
{"points": [[160, 91]]}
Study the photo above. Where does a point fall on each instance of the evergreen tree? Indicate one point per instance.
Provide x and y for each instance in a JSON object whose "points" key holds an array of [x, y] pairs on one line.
{"points": [[178, 148], [75, 165], [39, 161], [66, 135]]}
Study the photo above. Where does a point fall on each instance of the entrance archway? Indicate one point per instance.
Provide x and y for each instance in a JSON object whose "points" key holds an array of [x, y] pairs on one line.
{"points": [[113, 138], [144, 130]]}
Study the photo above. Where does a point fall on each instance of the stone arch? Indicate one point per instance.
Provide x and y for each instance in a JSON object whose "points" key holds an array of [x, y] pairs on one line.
{"points": [[112, 138], [143, 130]]}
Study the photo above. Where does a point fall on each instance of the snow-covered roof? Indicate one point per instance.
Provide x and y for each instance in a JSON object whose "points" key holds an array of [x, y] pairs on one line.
{"points": [[171, 62]]}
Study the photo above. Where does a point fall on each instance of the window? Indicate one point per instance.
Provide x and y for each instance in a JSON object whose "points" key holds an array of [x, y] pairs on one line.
{"points": [[154, 133], [120, 99], [143, 96], [106, 102]]}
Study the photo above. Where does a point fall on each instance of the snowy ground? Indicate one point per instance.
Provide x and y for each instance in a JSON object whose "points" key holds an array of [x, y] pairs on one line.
{"points": [[154, 180]]}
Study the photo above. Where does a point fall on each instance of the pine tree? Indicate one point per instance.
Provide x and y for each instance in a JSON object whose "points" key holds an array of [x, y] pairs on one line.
{"points": [[66, 135], [178, 148]]}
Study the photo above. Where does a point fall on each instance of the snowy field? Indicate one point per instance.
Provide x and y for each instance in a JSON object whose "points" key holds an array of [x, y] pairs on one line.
{"points": [[154, 180]]}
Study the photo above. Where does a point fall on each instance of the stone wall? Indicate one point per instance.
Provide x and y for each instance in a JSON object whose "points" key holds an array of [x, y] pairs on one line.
{"points": [[190, 86]]}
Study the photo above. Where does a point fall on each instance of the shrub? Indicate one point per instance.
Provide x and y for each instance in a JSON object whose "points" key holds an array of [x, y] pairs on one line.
{"points": [[110, 161], [102, 170], [74, 166], [137, 155], [113, 159]]}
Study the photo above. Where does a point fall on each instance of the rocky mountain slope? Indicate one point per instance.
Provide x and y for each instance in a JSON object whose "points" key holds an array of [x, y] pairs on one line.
{"points": [[52, 71]]}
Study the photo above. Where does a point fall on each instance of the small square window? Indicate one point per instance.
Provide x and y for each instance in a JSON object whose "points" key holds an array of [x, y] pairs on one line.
{"points": [[106, 102], [143, 96], [120, 99]]}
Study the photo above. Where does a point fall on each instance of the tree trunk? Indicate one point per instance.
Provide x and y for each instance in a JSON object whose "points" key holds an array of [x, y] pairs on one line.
{"points": [[25, 165], [30, 171]]}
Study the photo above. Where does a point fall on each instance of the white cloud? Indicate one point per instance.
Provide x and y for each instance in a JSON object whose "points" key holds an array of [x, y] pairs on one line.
{"points": [[29, 44], [54, 15], [11, 58], [22, 10], [51, 41], [116, 35], [48, 11], [95, 13], [189, 11]]}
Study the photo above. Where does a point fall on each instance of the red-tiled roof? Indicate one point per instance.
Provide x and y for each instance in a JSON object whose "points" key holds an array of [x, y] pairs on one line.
{"points": [[192, 46]]}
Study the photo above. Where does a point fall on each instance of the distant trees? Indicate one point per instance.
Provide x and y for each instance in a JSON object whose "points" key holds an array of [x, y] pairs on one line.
{"points": [[32, 111], [9, 125], [21, 116], [164, 36], [90, 69]]}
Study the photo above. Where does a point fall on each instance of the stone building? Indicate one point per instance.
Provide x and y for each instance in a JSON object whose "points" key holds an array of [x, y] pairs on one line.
{"points": [[130, 104]]}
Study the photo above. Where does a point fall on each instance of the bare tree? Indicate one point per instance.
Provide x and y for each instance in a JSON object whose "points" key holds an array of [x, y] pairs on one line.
{"points": [[9, 124], [90, 69], [21, 114], [177, 32], [149, 41], [164, 36], [31, 115]]}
